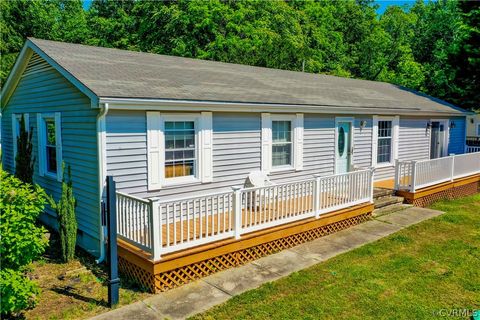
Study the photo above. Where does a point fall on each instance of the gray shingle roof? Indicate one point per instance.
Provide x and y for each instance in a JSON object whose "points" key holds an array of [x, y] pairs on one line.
{"points": [[127, 74]]}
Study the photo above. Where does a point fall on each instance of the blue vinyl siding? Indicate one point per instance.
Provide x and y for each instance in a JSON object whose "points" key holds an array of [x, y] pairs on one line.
{"points": [[42, 89], [457, 141]]}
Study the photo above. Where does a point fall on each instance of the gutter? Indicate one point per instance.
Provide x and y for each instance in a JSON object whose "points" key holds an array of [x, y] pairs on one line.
{"points": [[102, 172]]}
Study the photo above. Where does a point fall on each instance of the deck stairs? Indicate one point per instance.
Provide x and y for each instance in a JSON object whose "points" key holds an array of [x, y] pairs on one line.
{"points": [[386, 202]]}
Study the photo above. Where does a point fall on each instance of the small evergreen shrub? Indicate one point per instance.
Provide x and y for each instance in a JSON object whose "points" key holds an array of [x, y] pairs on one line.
{"points": [[67, 222], [17, 291], [21, 241], [24, 160]]}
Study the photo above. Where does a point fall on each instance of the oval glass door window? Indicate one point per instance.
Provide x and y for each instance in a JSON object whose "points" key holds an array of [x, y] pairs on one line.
{"points": [[341, 141]]}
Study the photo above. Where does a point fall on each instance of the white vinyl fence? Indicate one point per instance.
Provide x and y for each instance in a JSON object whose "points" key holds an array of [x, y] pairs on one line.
{"points": [[414, 175], [161, 227]]}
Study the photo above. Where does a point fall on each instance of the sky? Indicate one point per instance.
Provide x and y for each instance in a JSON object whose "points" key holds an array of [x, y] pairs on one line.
{"points": [[383, 4]]}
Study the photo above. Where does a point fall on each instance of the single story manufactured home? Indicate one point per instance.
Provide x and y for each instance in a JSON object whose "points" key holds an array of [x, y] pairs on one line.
{"points": [[210, 154]]}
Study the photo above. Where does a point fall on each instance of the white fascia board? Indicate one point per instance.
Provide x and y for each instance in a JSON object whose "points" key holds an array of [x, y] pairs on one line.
{"points": [[220, 106]]}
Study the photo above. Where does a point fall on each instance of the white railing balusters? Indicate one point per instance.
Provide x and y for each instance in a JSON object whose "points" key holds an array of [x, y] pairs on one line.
{"points": [[472, 149], [161, 227], [133, 221], [414, 175]]}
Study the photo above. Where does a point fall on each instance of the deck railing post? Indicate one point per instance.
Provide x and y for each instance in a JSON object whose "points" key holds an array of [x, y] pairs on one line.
{"points": [[316, 201], [397, 174], [414, 176], [452, 169], [155, 229], [237, 211], [372, 173]]}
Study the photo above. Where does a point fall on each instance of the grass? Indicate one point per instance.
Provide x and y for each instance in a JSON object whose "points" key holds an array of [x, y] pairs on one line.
{"points": [[413, 274], [74, 290]]}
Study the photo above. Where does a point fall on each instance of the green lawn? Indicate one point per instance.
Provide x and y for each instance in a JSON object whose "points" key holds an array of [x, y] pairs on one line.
{"points": [[412, 274]]}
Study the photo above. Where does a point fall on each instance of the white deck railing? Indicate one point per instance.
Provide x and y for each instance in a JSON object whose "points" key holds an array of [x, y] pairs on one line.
{"points": [[161, 227], [414, 175], [193, 221], [472, 149], [134, 218]]}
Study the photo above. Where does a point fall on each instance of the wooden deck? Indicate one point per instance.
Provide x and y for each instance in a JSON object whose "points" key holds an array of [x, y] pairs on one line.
{"points": [[216, 223], [184, 266], [386, 184], [448, 190]]}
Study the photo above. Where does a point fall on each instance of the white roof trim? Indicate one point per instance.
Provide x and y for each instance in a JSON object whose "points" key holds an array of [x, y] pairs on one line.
{"points": [[197, 105], [21, 63]]}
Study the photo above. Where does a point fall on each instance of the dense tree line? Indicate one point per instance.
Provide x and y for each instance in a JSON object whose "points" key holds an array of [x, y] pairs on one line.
{"points": [[431, 47]]}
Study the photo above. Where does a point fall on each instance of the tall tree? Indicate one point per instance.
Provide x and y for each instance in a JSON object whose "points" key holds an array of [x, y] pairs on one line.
{"points": [[112, 24], [398, 64], [467, 58], [18, 20]]}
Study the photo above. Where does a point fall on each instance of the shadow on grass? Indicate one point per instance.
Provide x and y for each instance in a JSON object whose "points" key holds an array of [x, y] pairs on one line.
{"points": [[100, 271], [68, 291]]}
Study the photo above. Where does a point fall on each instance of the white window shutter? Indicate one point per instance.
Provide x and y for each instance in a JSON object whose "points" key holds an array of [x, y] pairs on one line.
{"points": [[374, 140], [58, 144], [14, 138], [298, 142], [154, 150], [266, 142], [40, 145], [206, 147], [396, 131]]}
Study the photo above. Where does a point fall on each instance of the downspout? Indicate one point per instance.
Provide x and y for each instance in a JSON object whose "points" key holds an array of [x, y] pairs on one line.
{"points": [[102, 172]]}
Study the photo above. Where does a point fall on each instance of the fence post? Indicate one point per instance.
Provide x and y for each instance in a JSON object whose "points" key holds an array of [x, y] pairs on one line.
{"points": [[414, 176], [397, 174], [316, 202], [452, 169], [113, 280], [155, 229], [237, 211]]}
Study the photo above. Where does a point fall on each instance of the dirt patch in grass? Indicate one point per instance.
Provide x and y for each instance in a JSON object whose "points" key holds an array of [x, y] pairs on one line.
{"points": [[74, 290]]}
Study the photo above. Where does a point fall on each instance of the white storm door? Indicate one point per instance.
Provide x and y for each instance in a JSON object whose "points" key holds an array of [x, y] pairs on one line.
{"points": [[343, 147]]}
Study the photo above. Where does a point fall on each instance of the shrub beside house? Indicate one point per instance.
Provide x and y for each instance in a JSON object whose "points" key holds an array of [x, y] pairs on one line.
{"points": [[22, 241]]}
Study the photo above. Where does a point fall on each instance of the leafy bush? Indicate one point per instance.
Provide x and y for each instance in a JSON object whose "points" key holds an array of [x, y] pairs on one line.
{"points": [[24, 159], [22, 241], [17, 291], [67, 222]]}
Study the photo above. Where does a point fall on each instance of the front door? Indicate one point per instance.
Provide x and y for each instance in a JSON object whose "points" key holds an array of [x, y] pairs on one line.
{"points": [[343, 147], [437, 140]]}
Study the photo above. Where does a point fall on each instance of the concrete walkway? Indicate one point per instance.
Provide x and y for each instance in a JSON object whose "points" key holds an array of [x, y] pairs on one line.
{"points": [[205, 293]]}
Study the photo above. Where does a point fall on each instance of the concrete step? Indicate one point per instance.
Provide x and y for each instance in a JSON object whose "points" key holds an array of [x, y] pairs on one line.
{"points": [[382, 192], [387, 201], [390, 209]]}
